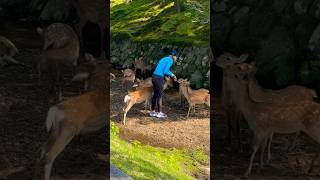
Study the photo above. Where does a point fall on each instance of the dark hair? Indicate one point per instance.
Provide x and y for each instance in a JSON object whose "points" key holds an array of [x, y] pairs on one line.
{"points": [[166, 51]]}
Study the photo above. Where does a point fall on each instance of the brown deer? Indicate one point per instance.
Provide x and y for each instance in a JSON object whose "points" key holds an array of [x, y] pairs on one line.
{"points": [[146, 83], [76, 115], [60, 47], [285, 95], [231, 112], [288, 94], [94, 11], [128, 76], [84, 70], [266, 118], [194, 97], [141, 94], [139, 64], [7, 51]]}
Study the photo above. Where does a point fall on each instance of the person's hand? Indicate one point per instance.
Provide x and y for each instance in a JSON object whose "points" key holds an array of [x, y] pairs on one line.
{"points": [[174, 78]]}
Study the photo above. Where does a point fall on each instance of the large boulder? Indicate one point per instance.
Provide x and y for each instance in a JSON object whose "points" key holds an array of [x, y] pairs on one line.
{"points": [[315, 9], [302, 6], [314, 41], [241, 16], [221, 27], [277, 56], [56, 10]]}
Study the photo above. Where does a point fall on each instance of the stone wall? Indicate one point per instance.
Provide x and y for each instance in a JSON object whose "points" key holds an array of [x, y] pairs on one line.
{"points": [[43, 10], [193, 61], [282, 36]]}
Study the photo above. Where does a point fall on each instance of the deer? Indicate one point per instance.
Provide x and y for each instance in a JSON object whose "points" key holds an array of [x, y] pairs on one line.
{"points": [[266, 118], [146, 83], [139, 64], [84, 70], [288, 94], [128, 76], [231, 112], [94, 11], [7, 51], [60, 47], [141, 94], [76, 115], [200, 96]]}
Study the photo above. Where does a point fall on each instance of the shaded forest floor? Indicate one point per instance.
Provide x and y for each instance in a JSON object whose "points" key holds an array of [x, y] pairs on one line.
{"points": [[23, 108]]}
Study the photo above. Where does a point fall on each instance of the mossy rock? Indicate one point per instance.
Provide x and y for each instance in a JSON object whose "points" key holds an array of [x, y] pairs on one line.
{"points": [[196, 79]]}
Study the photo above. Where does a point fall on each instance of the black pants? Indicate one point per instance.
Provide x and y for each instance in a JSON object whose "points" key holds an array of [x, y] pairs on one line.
{"points": [[158, 83]]}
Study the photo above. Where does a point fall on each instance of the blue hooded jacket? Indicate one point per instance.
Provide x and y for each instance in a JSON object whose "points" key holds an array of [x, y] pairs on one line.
{"points": [[163, 67]]}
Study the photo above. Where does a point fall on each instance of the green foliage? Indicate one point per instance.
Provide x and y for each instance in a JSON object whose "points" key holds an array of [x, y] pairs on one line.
{"points": [[310, 71], [279, 72], [146, 162], [158, 21], [114, 130], [200, 156]]}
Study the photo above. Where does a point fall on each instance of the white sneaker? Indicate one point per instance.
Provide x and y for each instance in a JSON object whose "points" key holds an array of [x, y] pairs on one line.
{"points": [[153, 114], [161, 115]]}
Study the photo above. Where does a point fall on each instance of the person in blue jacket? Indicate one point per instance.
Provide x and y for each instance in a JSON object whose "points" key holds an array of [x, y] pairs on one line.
{"points": [[158, 80]]}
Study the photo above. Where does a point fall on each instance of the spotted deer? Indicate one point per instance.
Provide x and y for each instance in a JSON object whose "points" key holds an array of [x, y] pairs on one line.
{"points": [[141, 94], [231, 112], [7, 51], [84, 70], [129, 76], [288, 94], [194, 97], [60, 47], [142, 66], [76, 115], [265, 117]]}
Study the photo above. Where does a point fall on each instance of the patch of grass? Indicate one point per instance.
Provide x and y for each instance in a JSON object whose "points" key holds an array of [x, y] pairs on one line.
{"points": [[146, 162], [159, 21]]}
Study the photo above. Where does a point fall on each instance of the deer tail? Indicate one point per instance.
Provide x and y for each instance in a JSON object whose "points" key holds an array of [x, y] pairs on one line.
{"points": [[53, 117], [127, 98]]}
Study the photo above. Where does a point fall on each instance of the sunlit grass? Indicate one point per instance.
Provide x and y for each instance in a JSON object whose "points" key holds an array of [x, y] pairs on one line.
{"points": [[146, 162]]}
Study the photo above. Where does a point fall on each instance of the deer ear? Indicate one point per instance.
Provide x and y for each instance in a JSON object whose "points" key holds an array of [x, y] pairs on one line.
{"points": [[253, 63], [243, 57], [89, 57], [40, 31]]}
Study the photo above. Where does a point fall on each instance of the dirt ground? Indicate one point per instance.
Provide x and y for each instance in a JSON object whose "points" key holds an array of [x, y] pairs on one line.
{"points": [[232, 162], [23, 108], [175, 131]]}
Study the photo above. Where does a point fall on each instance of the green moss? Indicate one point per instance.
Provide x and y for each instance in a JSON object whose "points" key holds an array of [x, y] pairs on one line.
{"points": [[158, 21], [146, 162]]}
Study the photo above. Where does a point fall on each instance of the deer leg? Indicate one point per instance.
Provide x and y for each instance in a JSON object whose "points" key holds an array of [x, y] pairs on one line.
{"points": [[263, 147], [125, 111], [145, 105], [238, 130], [293, 144], [54, 148], [189, 111], [86, 85], [258, 140], [313, 161], [39, 73], [81, 24], [269, 148]]}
